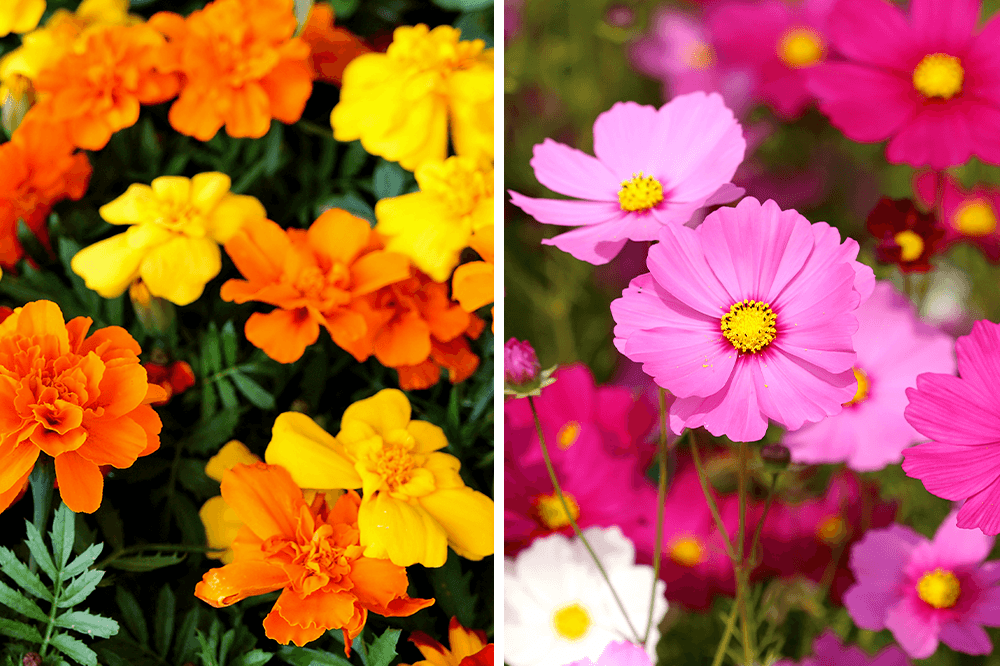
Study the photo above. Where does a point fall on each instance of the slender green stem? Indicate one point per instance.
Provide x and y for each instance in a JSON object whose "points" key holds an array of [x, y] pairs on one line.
{"points": [[720, 651], [51, 622], [742, 579], [703, 479], [142, 547], [572, 521], [754, 561], [661, 495], [42, 482]]}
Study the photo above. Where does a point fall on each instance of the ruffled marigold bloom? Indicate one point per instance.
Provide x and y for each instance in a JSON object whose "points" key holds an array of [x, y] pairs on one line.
{"points": [[20, 16], [315, 277], [241, 67], [967, 215], [82, 400], [173, 243], [415, 503], [222, 523], [330, 48], [40, 168], [464, 643], [400, 103], [311, 552], [905, 236], [434, 225]]}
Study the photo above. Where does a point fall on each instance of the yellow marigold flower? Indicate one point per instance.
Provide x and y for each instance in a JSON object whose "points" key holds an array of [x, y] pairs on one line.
{"points": [[20, 16], [415, 503], [432, 226], [220, 521], [399, 103], [173, 243]]}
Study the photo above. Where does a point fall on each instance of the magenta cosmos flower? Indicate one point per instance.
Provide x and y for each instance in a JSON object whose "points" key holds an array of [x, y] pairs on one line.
{"points": [[960, 415], [930, 84], [967, 215], [654, 167], [893, 348], [748, 317], [925, 591], [829, 651]]}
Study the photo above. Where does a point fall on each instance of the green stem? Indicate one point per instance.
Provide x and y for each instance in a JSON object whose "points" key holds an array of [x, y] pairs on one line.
{"points": [[703, 479], [572, 521], [754, 561], [139, 548], [42, 488], [720, 651], [661, 495], [742, 579], [51, 622]]}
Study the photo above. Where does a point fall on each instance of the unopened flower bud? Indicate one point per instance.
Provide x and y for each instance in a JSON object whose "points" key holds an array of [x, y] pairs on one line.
{"points": [[520, 363], [776, 456], [155, 313], [31, 659]]}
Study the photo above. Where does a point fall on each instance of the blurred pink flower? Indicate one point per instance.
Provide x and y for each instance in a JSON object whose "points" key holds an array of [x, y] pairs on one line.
{"points": [[925, 591], [828, 650], [748, 317], [893, 348], [968, 215], [618, 653], [929, 83], [960, 415], [654, 168]]}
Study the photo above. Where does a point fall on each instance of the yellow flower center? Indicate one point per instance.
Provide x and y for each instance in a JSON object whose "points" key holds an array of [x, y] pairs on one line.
{"points": [[571, 622], [911, 245], [438, 49], [976, 218], [395, 465], [551, 511], [640, 193], [568, 435], [831, 530], [686, 551], [939, 588], [939, 75], [700, 56], [749, 325], [863, 384], [800, 47]]}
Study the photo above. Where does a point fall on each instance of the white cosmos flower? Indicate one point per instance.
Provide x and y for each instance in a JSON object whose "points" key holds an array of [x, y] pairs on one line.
{"points": [[558, 608]]}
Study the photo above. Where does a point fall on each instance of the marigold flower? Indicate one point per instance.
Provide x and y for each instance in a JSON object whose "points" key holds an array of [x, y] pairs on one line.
{"points": [[20, 16], [174, 378], [314, 277], [241, 66], [83, 400], [331, 49], [222, 523], [455, 356], [311, 552], [434, 225], [173, 243], [400, 103], [463, 643], [40, 168], [472, 282], [415, 503]]}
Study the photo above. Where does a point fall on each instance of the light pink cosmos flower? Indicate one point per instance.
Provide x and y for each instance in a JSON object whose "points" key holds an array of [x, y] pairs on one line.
{"points": [[829, 651], [654, 167], [930, 84], [748, 317], [893, 348], [618, 653], [968, 215], [960, 415], [925, 591]]}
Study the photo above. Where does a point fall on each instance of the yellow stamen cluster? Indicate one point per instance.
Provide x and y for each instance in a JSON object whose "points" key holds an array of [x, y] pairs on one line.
{"points": [[911, 245], [568, 435], [939, 588], [572, 622], [939, 75], [976, 218], [700, 56], [862, 393], [831, 530], [551, 511], [749, 325], [801, 47], [686, 551], [640, 193]]}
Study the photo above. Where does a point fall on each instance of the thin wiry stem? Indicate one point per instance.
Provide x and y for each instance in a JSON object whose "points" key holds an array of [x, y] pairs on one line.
{"points": [[661, 495]]}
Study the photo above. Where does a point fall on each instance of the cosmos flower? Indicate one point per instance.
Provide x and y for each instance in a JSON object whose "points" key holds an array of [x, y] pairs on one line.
{"points": [[905, 236], [828, 650], [618, 653], [967, 215]]}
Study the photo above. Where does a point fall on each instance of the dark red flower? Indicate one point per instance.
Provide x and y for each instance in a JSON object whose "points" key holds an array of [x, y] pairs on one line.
{"points": [[905, 236]]}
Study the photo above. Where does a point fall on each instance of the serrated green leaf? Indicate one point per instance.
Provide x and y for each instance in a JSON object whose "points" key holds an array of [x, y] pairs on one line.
{"points": [[63, 533], [22, 575], [80, 588], [39, 550], [163, 630], [74, 649], [208, 645], [13, 599], [229, 343], [300, 656], [19, 631], [388, 180], [383, 649], [187, 642], [227, 393], [84, 560], [141, 563], [132, 615], [253, 391], [86, 623], [253, 658], [224, 644]]}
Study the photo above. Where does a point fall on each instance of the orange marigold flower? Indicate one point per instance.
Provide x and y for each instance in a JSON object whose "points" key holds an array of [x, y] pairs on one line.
{"points": [[331, 48], [315, 277], [455, 356], [96, 89], [82, 400], [311, 552], [39, 169], [464, 643], [174, 378], [241, 67]]}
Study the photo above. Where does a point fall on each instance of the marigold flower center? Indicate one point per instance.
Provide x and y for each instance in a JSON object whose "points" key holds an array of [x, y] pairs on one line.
{"points": [[911, 245], [749, 325], [863, 385], [939, 588], [687, 551], [568, 435], [832, 530], [551, 511], [700, 56], [640, 193], [571, 622], [326, 288], [394, 464], [183, 218], [800, 47], [976, 218], [939, 75]]}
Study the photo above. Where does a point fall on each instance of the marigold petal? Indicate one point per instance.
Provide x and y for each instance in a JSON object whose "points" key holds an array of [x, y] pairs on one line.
{"points": [[231, 214], [136, 205], [467, 517], [194, 114], [420, 376], [482, 658], [113, 441], [41, 319], [123, 388], [429, 437], [288, 87], [221, 526], [208, 189], [249, 112], [108, 266], [258, 250], [179, 269], [306, 618], [18, 460], [313, 457], [264, 497], [464, 642], [387, 410], [403, 341], [234, 452], [234, 582], [7, 497], [149, 420], [282, 334], [434, 652], [345, 327], [377, 582], [402, 532], [472, 285], [81, 483], [339, 236], [111, 342], [378, 269]]}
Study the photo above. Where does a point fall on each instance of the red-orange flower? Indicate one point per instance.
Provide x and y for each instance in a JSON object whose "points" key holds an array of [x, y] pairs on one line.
{"points": [[331, 48], [174, 378], [315, 277], [466, 646], [82, 400], [96, 89], [39, 169], [241, 67], [310, 552]]}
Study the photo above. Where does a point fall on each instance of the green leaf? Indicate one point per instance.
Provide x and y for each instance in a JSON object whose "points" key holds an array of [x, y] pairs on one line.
{"points": [[343, 9], [452, 590], [163, 630], [211, 434], [141, 563], [355, 156], [39, 551], [63, 533], [351, 202], [463, 6], [300, 656], [253, 391], [383, 649], [74, 649], [22, 575], [110, 522], [227, 393], [83, 561], [19, 631], [80, 588], [11, 598], [132, 615], [253, 658], [208, 645], [186, 642], [388, 180], [85, 623], [272, 149], [211, 357], [229, 343]]}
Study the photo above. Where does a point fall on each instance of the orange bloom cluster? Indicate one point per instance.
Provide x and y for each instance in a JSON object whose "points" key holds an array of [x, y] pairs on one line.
{"points": [[39, 168], [311, 552], [241, 67], [82, 400], [331, 48]]}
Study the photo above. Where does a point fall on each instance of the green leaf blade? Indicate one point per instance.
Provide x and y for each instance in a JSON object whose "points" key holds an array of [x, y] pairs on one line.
{"points": [[22, 575], [86, 623], [63, 533], [39, 551], [80, 588], [74, 649], [14, 600], [383, 649]]}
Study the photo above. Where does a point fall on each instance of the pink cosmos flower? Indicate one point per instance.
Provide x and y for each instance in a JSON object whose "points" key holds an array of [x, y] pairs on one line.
{"points": [[960, 415], [829, 651], [748, 317], [925, 591], [785, 41], [654, 168], [969, 216], [930, 84], [618, 653], [893, 348]]}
